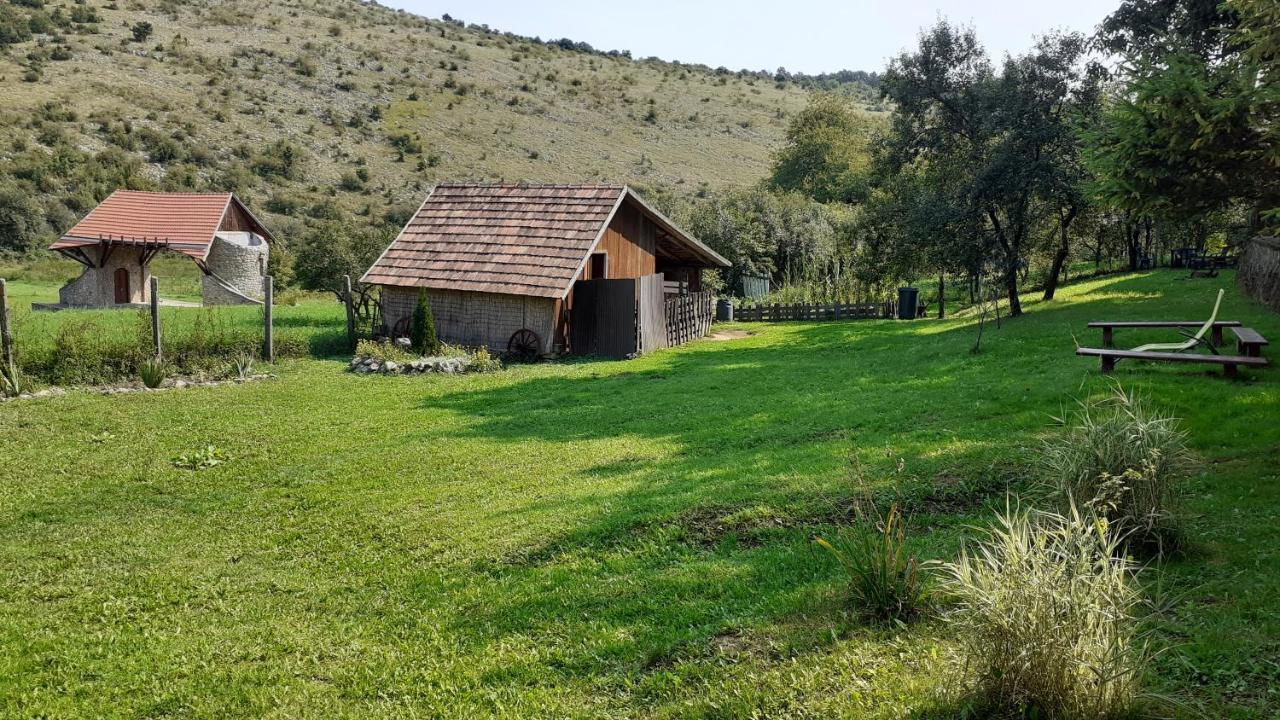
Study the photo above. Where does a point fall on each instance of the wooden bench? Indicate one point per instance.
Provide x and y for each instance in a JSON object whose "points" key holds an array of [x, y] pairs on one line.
{"points": [[1108, 327], [1229, 363], [1249, 342]]}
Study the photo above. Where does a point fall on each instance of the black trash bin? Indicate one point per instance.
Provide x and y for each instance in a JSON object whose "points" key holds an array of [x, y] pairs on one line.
{"points": [[908, 299], [724, 310]]}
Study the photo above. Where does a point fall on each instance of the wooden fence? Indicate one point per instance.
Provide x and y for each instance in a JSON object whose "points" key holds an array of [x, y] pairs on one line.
{"points": [[689, 316], [776, 312]]}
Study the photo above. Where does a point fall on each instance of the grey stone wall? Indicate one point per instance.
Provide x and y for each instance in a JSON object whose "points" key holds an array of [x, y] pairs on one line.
{"points": [[242, 267], [96, 287], [474, 319]]}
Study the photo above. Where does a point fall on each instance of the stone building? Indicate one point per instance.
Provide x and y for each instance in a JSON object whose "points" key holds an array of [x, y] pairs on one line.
{"points": [[500, 262], [116, 241]]}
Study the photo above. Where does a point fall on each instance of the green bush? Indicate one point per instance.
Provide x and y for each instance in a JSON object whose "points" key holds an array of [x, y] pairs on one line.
{"points": [[382, 351], [481, 361], [1126, 462], [1047, 612], [422, 332], [884, 576]]}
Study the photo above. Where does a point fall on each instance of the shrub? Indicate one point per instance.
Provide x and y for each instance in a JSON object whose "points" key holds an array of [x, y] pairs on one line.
{"points": [[422, 332], [1125, 461], [1046, 610], [381, 351], [884, 576], [153, 372], [481, 361], [141, 31]]}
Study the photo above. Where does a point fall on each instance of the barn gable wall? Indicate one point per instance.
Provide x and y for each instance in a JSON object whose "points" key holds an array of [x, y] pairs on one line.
{"points": [[474, 319], [629, 241]]}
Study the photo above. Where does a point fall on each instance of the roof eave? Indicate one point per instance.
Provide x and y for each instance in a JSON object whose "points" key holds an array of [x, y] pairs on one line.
{"points": [[693, 243]]}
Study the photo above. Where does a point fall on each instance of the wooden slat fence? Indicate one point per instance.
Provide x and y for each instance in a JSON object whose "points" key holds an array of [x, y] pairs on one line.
{"points": [[689, 316], [778, 312]]}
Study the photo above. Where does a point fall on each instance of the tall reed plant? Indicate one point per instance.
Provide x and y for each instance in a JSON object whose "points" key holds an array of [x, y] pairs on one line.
{"points": [[1048, 615], [1124, 460]]}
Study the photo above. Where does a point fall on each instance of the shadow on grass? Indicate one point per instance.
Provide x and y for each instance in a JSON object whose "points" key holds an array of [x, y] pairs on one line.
{"points": [[755, 437]]}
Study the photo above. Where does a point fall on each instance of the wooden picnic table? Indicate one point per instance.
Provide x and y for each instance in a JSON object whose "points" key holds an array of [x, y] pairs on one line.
{"points": [[1109, 326], [1249, 342]]}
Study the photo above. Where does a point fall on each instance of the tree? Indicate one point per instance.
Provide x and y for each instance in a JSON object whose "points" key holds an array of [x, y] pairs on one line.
{"points": [[141, 31], [993, 140], [332, 250], [422, 333], [826, 154], [1191, 128]]}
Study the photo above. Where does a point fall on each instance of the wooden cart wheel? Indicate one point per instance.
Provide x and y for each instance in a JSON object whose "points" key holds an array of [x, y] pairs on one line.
{"points": [[524, 345]]}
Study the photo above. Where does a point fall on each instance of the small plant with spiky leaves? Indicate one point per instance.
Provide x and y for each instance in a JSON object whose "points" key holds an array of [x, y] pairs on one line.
{"points": [[153, 372], [885, 583]]}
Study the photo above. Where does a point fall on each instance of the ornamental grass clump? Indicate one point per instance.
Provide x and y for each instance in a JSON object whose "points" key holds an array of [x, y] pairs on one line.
{"points": [[1047, 611], [153, 372], [885, 583], [1125, 461]]}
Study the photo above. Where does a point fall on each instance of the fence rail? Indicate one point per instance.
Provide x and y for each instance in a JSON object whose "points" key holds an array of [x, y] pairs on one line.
{"points": [[776, 312], [688, 316]]}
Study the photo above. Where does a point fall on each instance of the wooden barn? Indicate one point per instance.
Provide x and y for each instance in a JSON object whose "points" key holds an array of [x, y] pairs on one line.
{"points": [[540, 269]]}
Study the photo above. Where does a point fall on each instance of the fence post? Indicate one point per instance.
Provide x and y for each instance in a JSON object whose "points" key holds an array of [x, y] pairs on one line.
{"points": [[155, 318], [10, 367], [351, 314], [268, 332]]}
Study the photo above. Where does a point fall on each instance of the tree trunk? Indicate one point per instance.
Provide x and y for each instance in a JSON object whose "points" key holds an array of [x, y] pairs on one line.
{"points": [[1060, 256], [942, 295], [1011, 285]]}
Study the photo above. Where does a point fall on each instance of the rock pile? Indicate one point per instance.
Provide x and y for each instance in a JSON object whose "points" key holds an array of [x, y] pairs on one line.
{"points": [[446, 365]]}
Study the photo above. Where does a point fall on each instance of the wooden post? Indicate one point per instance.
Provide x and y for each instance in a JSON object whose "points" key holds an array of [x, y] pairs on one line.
{"points": [[10, 367], [268, 338], [351, 314], [155, 317]]}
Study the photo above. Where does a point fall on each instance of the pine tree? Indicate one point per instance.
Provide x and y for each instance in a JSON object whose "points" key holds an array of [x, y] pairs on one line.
{"points": [[423, 331]]}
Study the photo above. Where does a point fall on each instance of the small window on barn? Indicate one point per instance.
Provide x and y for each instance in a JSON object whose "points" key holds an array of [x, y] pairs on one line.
{"points": [[262, 266], [599, 265]]}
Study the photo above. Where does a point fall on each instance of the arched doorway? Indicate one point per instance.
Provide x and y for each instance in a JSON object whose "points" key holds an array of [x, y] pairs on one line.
{"points": [[122, 286]]}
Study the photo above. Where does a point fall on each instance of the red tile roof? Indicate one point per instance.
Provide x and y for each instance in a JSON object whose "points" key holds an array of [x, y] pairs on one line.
{"points": [[184, 222], [513, 239]]}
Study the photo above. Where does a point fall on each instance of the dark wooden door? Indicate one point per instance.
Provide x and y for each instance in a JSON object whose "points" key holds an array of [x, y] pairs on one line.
{"points": [[603, 320], [122, 285]]}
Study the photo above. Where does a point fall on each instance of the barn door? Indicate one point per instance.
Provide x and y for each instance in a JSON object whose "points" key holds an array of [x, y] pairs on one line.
{"points": [[603, 320], [122, 286]]}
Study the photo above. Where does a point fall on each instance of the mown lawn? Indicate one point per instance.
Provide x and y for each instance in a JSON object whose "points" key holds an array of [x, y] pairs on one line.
{"points": [[593, 539]]}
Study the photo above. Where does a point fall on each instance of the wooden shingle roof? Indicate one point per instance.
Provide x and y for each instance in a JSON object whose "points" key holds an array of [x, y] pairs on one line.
{"points": [[514, 239], [183, 222]]}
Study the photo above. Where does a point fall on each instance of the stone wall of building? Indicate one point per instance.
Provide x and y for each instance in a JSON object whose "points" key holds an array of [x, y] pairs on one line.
{"points": [[96, 287], [474, 319], [241, 266]]}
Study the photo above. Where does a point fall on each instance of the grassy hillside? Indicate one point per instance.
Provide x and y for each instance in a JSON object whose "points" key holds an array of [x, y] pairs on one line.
{"points": [[306, 106], [593, 539]]}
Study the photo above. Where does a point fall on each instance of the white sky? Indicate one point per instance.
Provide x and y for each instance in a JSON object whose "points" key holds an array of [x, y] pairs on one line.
{"points": [[802, 35]]}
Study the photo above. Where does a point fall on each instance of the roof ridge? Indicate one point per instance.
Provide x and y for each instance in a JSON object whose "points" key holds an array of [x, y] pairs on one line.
{"points": [[610, 186]]}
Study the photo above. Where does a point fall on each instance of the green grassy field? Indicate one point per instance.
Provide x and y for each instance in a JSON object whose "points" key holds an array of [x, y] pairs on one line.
{"points": [[594, 539]]}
